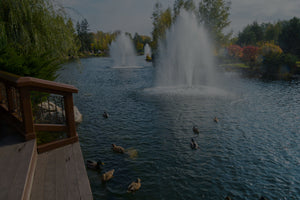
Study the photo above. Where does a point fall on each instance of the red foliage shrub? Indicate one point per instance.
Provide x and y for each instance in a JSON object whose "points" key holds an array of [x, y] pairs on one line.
{"points": [[250, 54], [235, 51]]}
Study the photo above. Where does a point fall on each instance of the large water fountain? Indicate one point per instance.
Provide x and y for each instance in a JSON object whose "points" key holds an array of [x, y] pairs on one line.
{"points": [[122, 52], [186, 56]]}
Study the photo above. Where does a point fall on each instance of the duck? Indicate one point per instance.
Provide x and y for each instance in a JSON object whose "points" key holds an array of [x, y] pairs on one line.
{"points": [[91, 164], [216, 120], [195, 129], [194, 144], [134, 186], [118, 149], [105, 114], [107, 175], [228, 198]]}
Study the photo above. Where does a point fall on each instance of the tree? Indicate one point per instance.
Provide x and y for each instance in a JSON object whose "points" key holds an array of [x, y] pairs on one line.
{"points": [[214, 14], [289, 39], [186, 4], [162, 20], [272, 32], [140, 41], [83, 35], [100, 41], [35, 37], [251, 35]]}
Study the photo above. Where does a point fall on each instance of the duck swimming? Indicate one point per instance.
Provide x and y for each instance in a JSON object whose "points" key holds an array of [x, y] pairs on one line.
{"points": [[195, 129], [107, 175], [94, 164], [105, 114], [118, 149], [194, 144], [216, 120], [134, 186]]}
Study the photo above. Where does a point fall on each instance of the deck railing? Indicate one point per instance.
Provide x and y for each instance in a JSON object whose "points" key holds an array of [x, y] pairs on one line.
{"points": [[25, 103]]}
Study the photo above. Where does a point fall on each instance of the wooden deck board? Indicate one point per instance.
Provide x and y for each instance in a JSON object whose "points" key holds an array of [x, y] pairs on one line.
{"points": [[61, 184], [15, 165], [83, 184], [40, 170], [6, 172], [49, 179], [72, 185], [61, 174], [23, 163]]}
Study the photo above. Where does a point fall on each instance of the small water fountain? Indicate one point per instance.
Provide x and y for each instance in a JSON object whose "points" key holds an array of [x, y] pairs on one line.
{"points": [[147, 52], [185, 57], [122, 52]]}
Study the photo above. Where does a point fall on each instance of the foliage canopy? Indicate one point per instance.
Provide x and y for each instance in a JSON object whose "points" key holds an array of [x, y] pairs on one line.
{"points": [[35, 35], [214, 14]]}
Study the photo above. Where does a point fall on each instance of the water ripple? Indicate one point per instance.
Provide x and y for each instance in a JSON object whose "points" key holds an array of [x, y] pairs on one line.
{"points": [[253, 151]]}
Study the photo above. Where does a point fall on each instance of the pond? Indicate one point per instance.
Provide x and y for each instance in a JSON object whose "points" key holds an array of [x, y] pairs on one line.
{"points": [[252, 151]]}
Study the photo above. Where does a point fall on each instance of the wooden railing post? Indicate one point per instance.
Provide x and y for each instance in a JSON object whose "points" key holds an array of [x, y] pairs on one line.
{"points": [[16, 97], [27, 116], [69, 111]]}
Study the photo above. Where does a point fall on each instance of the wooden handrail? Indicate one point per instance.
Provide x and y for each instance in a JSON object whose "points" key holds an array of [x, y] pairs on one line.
{"points": [[26, 85], [8, 77], [46, 86]]}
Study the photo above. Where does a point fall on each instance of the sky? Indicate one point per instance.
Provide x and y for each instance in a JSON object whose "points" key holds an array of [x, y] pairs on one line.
{"points": [[135, 15]]}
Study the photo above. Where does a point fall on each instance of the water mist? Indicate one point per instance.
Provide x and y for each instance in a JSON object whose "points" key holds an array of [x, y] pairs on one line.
{"points": [[147, 50], [186, 55], [122, 51]]}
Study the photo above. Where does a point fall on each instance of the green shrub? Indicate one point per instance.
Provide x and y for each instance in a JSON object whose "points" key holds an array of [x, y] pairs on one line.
{"points": [[28, 65], [277, 65]]}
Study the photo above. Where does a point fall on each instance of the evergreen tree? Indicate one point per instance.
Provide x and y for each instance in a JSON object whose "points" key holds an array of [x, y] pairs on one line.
{"points": [[251, 35], [84, 36], [289, 39], [272, 32]]}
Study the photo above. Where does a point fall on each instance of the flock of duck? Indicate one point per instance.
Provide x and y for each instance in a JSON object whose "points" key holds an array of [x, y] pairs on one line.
{"points": [[97, 165], [135, 185], [194, 144]]}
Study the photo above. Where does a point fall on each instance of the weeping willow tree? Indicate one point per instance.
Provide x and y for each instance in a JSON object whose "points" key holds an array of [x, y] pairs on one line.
{"points": [[35, 37]]}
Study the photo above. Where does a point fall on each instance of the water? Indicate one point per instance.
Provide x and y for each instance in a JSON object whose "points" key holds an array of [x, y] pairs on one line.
{"points": [[253, 150], [186, 56], [122, 51]]}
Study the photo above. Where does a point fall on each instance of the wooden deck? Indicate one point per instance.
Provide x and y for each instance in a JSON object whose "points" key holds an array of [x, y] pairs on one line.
{"points": [[17, 164], [61, 174], [56, 174]]}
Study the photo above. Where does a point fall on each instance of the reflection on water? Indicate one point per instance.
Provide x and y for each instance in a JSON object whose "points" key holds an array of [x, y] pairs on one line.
{"points": [[196, 91], [252, 151]]}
